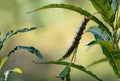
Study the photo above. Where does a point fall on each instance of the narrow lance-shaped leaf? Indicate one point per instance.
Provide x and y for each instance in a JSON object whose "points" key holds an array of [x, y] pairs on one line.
{"points": [[116, 55], [118, 24], [98, 62], [25, 30], [112, 60], [11, 33], [64, 73], [105, 9], [30, 49], [79, 67], [78, 10], [98, 33], [106, 44], [107, 51], [107, 48]]}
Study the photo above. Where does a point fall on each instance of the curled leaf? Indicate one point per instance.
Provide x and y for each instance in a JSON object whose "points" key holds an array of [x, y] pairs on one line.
{"points": [[31, 50]]}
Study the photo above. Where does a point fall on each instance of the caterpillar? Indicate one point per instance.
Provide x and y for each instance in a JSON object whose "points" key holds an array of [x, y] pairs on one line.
{"points": [[77, 38]]}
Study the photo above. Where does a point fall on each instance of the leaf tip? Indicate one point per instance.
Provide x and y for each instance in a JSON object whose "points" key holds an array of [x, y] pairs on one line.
{"points": [[17, 70]]}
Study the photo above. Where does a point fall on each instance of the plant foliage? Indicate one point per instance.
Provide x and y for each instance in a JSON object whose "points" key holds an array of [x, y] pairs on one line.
{"points": [[67, 69], [30, 49], [12, 32], [106, 34]]}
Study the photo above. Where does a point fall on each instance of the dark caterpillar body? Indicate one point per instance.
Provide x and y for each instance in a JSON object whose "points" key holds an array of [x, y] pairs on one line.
{"points": [[76, 38]]}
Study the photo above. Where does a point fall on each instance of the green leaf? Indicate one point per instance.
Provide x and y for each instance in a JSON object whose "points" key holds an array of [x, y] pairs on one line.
{"points": [[105, 9], [30, 49], [98, 33], [97, 62], [116, 54], [108, 48], [65, 6], [3, 61], [11, 33], [79, 67], [112, 60], [63, 74], [68, 77], [118, 37], [78, 10], [114, 5], [25, 30], [118, 24], [106, 44]]}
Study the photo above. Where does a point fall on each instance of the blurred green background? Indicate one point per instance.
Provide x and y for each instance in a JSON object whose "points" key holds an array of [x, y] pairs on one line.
{"points": [[52, 40]]}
